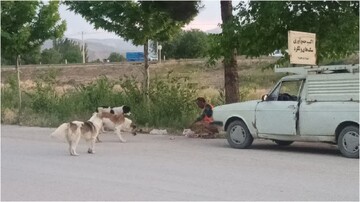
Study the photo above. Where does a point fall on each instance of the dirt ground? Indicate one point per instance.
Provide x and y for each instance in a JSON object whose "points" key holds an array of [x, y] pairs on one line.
{"points": [[195, 70], [69, 75], [209, 80]]}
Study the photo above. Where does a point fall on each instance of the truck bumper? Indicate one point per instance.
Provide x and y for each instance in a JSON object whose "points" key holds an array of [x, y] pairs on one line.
{"points": [[217, 123]]}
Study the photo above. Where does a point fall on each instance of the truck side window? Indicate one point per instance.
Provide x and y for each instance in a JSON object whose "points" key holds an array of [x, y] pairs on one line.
{"points": [[274, 95], [286, 91]]}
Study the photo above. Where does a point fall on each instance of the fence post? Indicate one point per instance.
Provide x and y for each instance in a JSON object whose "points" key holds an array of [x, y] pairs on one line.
{"points": [[19, 87]]}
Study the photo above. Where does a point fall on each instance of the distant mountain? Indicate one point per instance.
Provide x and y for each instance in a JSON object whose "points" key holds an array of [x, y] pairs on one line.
{"points": [[101, 48], [216, 30]]}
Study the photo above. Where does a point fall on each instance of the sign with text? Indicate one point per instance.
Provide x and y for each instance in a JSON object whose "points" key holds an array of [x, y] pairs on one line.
{"points": [[302, 49]]}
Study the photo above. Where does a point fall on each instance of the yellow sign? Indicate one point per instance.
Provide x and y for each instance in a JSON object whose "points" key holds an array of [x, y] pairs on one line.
{"points": [[302, 49]]}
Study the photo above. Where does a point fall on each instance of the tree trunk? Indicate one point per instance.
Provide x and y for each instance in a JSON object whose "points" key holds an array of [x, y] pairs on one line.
{"points": [[146, 84], [19, 89], [230, 64]]}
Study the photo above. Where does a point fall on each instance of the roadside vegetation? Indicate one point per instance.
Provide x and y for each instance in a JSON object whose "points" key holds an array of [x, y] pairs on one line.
{"points": [[174, 87]]}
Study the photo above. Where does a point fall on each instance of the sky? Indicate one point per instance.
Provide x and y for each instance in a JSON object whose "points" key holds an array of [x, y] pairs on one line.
{"points": [[208, 18]]}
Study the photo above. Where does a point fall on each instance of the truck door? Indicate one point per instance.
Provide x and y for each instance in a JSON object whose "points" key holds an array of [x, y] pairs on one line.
{"points": [[278, 114]]}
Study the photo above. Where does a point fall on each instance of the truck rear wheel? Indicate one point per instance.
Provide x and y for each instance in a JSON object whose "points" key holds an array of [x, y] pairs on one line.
{"points": [[238, 135], [348, 141]]}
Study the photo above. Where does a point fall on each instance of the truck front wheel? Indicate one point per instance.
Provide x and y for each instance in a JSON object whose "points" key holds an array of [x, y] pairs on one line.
{"points": [[348, 141], [238, 135]]}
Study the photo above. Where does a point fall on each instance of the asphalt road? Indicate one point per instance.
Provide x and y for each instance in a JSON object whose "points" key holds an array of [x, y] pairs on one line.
{"points": [[159, 167]]}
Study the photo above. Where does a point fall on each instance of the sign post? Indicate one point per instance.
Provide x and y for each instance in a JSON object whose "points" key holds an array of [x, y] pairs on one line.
{"points": [[159, 56], [302, 49]]}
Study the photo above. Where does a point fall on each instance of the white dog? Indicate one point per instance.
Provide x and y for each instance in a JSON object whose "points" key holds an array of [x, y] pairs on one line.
{"points": [[117, 121], [74, 130]]}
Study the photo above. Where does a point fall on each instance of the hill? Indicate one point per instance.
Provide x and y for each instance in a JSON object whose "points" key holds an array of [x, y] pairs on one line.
{"points": [[101, 48]]}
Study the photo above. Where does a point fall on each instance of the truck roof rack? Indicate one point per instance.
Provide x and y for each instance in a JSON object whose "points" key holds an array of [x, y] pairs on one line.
{"points": [[354, 68]]}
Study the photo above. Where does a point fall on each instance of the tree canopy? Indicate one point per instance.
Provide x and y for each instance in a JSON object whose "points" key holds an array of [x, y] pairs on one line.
{"points": [[25, 25], [64, 49], [138, 21], [116, 57], [262, 26], [187, 44]]}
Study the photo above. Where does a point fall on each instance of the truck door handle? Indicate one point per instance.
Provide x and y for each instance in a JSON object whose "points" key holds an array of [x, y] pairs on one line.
{"points": [[291, 107]]}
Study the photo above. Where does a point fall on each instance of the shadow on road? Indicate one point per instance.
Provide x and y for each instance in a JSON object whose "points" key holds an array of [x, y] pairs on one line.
{"points": [[304, 148], [297, 147]]}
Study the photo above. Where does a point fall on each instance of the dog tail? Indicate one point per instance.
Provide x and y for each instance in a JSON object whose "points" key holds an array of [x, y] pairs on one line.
{"points": [[60, 132]]}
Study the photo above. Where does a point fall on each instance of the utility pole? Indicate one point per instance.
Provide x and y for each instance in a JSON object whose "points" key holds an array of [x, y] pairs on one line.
{"points": [[83, 46]]}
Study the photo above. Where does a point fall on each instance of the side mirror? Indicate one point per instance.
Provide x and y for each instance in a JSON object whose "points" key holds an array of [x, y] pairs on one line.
{"points": [[264, 97]]}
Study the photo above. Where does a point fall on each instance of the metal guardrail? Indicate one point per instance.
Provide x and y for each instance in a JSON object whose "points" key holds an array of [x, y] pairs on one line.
{"points": [[107, 64], [318, 69]]}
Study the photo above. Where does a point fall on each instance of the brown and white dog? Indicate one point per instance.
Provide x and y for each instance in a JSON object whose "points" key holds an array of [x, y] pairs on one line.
{"points": [[115, 120], [74, 130]]}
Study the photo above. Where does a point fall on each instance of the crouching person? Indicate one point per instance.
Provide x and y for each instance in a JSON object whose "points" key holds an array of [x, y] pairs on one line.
{"points": [[202, 125]]}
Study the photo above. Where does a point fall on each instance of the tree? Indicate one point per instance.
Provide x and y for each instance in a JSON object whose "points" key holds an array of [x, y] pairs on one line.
{"points": [[187, 44], [51, 56], [116, 57], [223, 46], [232, 93], [64, 49], [25, 25], [69, 49], [262, 26], [138, 21], [32, 57]]}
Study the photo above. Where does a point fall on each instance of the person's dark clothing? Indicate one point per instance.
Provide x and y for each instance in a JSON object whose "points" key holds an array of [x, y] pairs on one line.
{"points": [[207, 111]]}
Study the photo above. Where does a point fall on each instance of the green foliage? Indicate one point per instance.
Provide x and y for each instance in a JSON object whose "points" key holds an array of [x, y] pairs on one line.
{"points": [[51, 56], [116, 57], [187, 44], [95, 94], [174, 99], [44, 97], [25, 25], [9, 94], [69, 49], [63, 49], [170, 105], [136, 21], [32, 57], [262, 26]]}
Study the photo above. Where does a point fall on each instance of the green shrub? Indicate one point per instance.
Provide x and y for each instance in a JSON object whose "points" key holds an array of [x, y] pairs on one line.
{"points": [[10, 93], [44, 98], [170, 103]]}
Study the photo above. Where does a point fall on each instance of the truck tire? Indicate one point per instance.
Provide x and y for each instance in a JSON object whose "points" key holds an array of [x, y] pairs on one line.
{"points": [[238, 135], [283, 143], [348, 141]]}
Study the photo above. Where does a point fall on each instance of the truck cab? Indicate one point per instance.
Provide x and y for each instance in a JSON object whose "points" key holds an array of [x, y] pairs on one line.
{"points": [[316, 104]]}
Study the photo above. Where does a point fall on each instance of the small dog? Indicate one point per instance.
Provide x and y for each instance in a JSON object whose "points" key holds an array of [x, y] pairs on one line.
{"points": [[117, 121], [74, 130]]}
